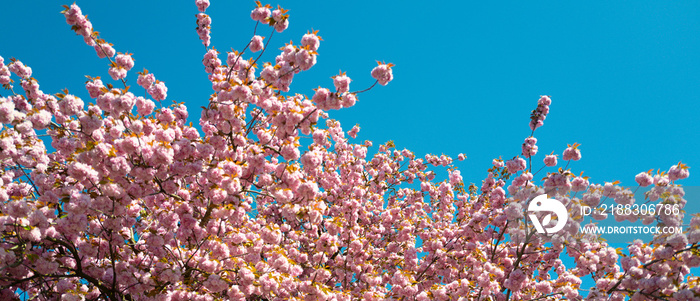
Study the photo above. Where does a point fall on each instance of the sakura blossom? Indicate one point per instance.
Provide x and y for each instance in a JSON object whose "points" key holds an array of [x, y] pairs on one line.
{"points": [[117, 197]]}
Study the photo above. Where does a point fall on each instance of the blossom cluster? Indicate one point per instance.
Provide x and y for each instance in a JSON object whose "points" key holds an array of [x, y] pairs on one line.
{"points": [[79, 23], [267, 199], [539, 114], [154, 88]]}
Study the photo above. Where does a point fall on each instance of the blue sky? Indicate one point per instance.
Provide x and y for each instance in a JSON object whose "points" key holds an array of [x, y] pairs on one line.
{"points": [[624, 76]]}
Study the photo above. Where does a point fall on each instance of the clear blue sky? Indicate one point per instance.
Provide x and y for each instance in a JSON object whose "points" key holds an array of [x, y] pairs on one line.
{"points": [[624, 76]]}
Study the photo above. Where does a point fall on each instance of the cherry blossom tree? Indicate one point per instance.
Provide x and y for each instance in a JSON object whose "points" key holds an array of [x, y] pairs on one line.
{"points": [[269, 200]]}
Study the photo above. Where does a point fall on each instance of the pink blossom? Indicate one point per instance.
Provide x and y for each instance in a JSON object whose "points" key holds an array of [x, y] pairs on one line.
{"points": [[7, 110], [81, 171], [311, 159], [572, 153], [348, 100], [72, 14], [550, 160], [311, 41], [20, 69], [94, 87], [125, 61], [281, 22], [497, 163], [82, 26], [202, 5], [146, 80], [644, 179], [516, 165], [90, 123], [516, 278], [661, 180], [289, 152], [544, 100], [165, 115], [70, 105], [305, 59], [321, 97], [341, 83], [158, 91], [203, 28], [123, 103], [677, 241], [4, 73], [353, 132], [117, 73], [271, 236], [678, 172], [144, 106], [242, 93], [543, 287], [104, 50], [382, 73], [540, 113], [579, 184], [529, 147], [514, 211], [260, 14], [256, 44], [534, 124], [41, 119]]}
